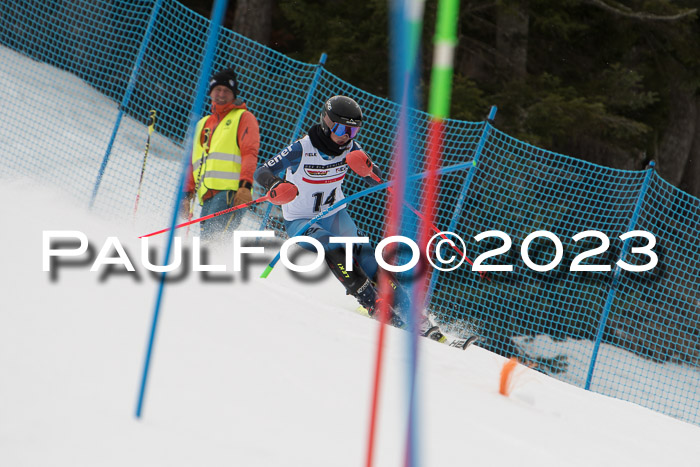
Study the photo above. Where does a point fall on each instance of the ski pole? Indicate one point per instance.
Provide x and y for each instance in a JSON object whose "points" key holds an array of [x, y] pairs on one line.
{"points": [[353, 197], [362, 166], [151, 127], [205, 154], [223, 211]]}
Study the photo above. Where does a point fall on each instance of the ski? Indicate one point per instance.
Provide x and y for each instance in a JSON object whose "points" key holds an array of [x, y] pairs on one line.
{"points": [[435, 333]]}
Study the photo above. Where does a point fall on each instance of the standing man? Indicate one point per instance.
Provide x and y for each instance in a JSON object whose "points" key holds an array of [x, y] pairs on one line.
{"points": [[224, 156], [314, 169]]}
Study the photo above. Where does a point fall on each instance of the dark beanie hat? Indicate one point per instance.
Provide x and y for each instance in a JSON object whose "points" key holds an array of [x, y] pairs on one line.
{"points": [[226, 78]]}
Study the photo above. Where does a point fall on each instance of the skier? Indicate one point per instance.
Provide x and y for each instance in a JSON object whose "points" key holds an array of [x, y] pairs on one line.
{"points": [[315, 168]]}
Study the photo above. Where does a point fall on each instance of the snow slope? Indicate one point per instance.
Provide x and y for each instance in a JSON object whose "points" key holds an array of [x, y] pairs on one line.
{"points": [[273, 372], [71, 141]]}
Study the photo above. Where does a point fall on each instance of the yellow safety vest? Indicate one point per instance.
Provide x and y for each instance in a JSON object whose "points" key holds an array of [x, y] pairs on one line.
{"points": [[217, 167]]}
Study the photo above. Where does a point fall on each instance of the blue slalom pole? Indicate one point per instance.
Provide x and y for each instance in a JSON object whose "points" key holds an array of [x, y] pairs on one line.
{"points": [[406, 32], [195, 115]]}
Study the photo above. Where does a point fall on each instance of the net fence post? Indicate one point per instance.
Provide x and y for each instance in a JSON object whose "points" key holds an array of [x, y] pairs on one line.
{"points": [[300, 121], [488, 125], [127, 96], [616, 276], [309, 96]]}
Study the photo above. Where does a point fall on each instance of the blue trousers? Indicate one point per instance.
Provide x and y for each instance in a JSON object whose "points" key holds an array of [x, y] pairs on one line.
{"points": [[339, 224], [210, 228]]}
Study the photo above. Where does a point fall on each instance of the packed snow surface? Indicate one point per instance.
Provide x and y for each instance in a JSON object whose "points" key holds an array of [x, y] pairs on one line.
{"points": [[261, 372]]}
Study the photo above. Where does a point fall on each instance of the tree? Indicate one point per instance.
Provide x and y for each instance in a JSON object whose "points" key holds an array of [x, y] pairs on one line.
{"points": [[512, 22], [357, 47], [611, 83], [253, 19]]}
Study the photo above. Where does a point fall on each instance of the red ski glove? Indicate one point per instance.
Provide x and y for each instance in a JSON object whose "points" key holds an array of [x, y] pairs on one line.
{"points": [[359, 163], [282, 192]]}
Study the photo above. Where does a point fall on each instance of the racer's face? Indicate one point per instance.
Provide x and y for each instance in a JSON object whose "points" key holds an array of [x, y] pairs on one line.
{"points": [[340, 140]]}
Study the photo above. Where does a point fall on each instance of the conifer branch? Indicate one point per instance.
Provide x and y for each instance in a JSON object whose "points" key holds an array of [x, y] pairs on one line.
{"points": [[627, 12]]}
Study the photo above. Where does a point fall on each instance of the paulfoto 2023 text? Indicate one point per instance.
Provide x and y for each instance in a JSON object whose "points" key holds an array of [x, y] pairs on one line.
{"points": [[112, 253]]}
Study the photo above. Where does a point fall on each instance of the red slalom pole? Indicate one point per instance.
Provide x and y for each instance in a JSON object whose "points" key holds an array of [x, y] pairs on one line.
{"points": [[379, 358], [431, 185], [224, 211], [386, 293]]}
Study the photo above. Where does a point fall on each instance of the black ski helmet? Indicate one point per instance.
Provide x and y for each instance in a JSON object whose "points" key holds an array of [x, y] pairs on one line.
{"points": [[341, 109]]}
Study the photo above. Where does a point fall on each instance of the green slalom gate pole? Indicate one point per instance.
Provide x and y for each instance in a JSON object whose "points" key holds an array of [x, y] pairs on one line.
{"points": [[443, 58], [440, 96], [438, 107]]}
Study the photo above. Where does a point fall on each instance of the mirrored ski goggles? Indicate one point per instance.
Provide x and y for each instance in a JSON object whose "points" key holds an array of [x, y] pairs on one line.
{"points": [[340, 129]]}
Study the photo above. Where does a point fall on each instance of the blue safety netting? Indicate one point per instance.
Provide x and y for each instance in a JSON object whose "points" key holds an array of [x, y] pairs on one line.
{"points": [[92, 70]]}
